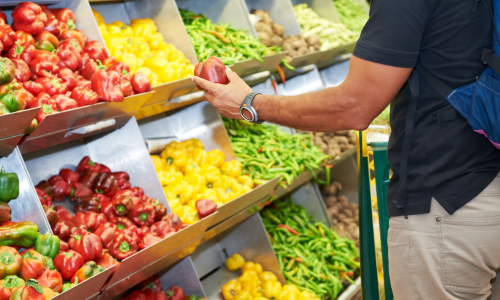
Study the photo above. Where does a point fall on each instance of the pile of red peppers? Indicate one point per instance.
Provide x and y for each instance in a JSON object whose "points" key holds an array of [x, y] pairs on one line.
{"points": [[113, 219], [46, 62], [151, 289]]}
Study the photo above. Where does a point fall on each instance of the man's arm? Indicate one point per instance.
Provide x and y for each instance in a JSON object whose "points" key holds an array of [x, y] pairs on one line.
{"points": [[368, 88]]}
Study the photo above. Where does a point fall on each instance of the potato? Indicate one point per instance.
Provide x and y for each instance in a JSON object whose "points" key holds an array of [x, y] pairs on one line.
{"points": [[338, 185], [292, 53], [349, 221], [341, 140], [312, 40], [341, 217], [263, 35], [311, 49], [330, 201], [332, 189], [333, 211], [288, 46], [324, 147], [343, 200], [333, 152], [348, 213], [276, 40], [340, 228], [279, 29], [302, 50], [264, 27]]}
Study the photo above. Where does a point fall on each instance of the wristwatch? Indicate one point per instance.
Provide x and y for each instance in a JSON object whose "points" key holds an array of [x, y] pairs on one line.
{"points": [[246, 105]]}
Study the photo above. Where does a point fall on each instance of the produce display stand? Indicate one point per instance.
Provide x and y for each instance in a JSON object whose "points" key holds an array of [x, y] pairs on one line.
{"points": [[16, 123], [7, 145]]}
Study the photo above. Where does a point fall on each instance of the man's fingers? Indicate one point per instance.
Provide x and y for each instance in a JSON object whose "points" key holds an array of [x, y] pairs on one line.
{"points": [[232, 76], [204, 84]]}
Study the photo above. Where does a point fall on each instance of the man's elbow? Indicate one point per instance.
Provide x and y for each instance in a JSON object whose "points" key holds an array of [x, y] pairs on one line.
{"points": [[360, 125]]}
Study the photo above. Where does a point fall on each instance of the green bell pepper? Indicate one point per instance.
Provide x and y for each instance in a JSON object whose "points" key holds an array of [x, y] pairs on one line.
{"points": [[9, 186], [48, 245], [67, 285], [50, 263], [7, 70]]}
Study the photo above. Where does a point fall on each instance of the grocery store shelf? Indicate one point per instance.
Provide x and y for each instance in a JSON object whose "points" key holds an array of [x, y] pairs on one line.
{"points": [[299, 181], [7, 145], [16, 123], [88, 289], [252, 66]]}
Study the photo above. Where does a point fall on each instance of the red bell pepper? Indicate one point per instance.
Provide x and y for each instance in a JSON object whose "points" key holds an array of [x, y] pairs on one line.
{"points": [[82, 82], [102, 198], [74, 34], [43, 197], [33, 125], [24, 51], [148, 240], [162, 229], [105, 184], [106, 232], [51, 279], [173, 220], [82, 192], [143, 215], [87, 177], [152, 283], [63, 229], [108, 62], [64, 102], [8, 285], [47, 109], [142, 231], [136, 295], [64, 246], [68, 78], [212, 69], [69, 54], [87, 205], [205, 207], [29, 17], [34, 88], [30, 291], [121, 223], [91, 67], [9, 38], [46, 187], [67, 263], [140, 83], [107, 261], [23, 37], [84, 96], [122, 69], [86, 163], [64, 214], [174, 293], [107, 210], [126, 87], [105, 169], [62, 189], [66, 16], [107, 85], [122, 203], [45, 64], [136, 195], [46, 41], [23, 72], [87, 244], [160, 209], [69, 176], [132, 231], [52, 86], [20, 97], [123, 180], [123, 246], [33, 265], [96, 51], [88, 270], [52, 24], [3, 16], [91, 219]]}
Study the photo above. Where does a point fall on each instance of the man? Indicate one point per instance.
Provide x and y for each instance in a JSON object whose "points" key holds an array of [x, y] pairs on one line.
{"points": [[444, 195]]}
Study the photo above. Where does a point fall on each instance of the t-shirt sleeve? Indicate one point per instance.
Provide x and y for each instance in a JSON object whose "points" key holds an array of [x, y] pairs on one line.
{"points": [[394, 31]]}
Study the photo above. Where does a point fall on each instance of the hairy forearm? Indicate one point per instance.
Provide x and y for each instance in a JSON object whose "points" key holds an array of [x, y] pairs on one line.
{"points": [[330, 109]]}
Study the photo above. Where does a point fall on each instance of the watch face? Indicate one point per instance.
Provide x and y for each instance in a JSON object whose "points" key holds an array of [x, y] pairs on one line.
{"points": [[246, 113]]}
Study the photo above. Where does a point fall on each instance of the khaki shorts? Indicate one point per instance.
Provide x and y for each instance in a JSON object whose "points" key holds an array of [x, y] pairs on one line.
{"points": [[443, 256]]}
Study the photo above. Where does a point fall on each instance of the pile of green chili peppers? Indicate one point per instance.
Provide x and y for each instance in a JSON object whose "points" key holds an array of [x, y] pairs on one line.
{"points": [[222, 40], [351, 14], [311, 255], [266, 152]]}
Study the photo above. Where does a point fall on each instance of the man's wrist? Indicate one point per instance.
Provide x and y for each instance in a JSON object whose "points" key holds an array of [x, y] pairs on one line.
{"points": [[258, 104]]}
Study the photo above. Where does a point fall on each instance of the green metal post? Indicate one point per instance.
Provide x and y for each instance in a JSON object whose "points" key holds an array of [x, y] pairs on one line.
{"points": [[369, 276], [382, 182]]}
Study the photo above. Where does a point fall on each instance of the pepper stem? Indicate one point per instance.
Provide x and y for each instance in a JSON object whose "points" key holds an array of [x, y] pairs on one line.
{"points": [[120, 208], [143, 217]]}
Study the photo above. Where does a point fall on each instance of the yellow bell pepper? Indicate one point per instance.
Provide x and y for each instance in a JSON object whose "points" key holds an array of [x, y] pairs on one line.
{"points": [[149, 22], [216, 157], [268, 276], [229, 190], [249, 275], [126, 30], [168, 74], [231, 168], [104, 31], [155, 40], [175, 157], [137, 47], [172, 192], [156, 63], [246, 180], [145, 55], [189, 70], [287, 295], [272, 288], [152, 76], [260, 298], [212, 180], [230, 289], [250, 266], [199, 156], [158, 163], [188, 192], [187, 214], [291, 288], [305, 295], [207, 168], [196, 180], [235, 262], [243, 295], [170, 178], [131, 60], [98, 17], [253, 287], [207, 194], [174, 203], [191, 167], [142, 30], [114, 30]]}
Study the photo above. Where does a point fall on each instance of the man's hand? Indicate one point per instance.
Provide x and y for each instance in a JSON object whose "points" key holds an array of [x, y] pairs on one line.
{"points": [[226, 98]]}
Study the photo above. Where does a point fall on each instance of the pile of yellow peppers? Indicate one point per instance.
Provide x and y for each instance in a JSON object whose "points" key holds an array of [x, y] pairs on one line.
{"points": [[188, 173], [144, 50], [256, 284]]}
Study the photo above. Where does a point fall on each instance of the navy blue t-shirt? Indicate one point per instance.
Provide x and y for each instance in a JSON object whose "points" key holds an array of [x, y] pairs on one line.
{"points": [[448, 160]]}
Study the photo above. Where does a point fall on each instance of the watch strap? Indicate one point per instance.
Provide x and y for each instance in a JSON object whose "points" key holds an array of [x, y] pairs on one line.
{"points": [[246, 105]]}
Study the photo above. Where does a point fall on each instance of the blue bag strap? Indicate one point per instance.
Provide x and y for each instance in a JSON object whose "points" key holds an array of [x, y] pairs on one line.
{"points": [[413, 83]]}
